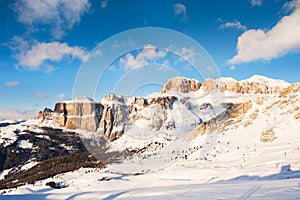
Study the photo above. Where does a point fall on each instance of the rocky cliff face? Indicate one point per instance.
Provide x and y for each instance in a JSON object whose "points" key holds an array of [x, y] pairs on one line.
{"points": [[181, 85], [183, 107], [81, 113], [253, 85], [112, 116]]}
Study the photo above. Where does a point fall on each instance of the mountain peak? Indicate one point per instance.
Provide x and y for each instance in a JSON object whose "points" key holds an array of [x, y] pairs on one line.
{"points": [[266, 80], [181, 85], [83, 99]]}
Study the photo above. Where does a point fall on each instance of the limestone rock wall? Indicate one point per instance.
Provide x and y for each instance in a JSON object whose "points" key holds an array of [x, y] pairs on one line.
{"points": [[115, 118], [112, 116], [93, 117], [181, 85], [254, 85], [76, 115]]}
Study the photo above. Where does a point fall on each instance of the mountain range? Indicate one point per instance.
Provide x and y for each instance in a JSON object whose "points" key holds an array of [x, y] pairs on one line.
{"points": [[247, 128]]}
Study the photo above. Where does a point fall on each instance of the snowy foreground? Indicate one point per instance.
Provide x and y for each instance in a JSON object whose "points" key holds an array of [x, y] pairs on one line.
{"points": [[181, 183]]}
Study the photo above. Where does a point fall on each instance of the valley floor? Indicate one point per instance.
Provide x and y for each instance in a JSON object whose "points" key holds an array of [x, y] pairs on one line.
{"points": [[174, 182]]}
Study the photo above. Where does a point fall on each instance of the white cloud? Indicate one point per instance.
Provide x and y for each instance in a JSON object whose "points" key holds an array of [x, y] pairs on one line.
{"points": [[104, 4], [211, 70], [59, 14], [259, 44], [234, 24], [130, 62], [40, 95], [256, 2], [289, 6], [180, 9], [148, 54], [94, 54], [165, 66], [112, 68], [12, 83], [187, 54], [18, 44], [232, 67], [49, 69], [61, 96], [38, 54]]}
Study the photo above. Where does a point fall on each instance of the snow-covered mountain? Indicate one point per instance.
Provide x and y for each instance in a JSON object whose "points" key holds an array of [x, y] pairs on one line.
{"points": [[222, 129]]}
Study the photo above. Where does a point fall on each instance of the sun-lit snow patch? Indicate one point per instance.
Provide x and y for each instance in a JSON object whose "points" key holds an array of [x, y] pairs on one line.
{"points": [[4, 173], [29, 165], [25, 144], [43, 136], [69, 148], [8, 133], [7, 137]]}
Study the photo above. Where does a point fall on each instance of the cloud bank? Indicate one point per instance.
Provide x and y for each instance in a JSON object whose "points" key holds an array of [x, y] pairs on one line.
{"points": [[266, 45], [34, 57], [16, 114], [59, 14], [148, 54]]}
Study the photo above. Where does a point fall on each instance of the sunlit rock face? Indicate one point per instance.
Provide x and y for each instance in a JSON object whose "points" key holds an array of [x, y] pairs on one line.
{"points": [[181, 85], [115, 114], [254, 85], [80, 113]]}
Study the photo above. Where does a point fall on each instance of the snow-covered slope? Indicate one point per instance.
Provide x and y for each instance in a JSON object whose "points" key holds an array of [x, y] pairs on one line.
{"points": [[227, 139]]}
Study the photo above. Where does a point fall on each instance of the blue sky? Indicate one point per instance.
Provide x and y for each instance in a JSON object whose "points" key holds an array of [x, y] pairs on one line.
{"points": [[43, 43]]}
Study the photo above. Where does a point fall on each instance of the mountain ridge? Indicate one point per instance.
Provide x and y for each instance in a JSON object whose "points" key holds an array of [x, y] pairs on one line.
{"points": [[115, 113]]}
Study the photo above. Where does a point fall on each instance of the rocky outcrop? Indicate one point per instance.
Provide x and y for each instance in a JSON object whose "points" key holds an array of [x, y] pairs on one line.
{"points": [[181, 85], [85, 114], [221, 122], [236, 110], [210, 85], [253, 85], [139, 101], [45, 114], [268, 135], [293, 88], [297, 115], [114, 120], [81, 113], [164, 102]]}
